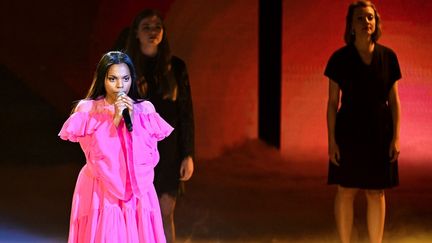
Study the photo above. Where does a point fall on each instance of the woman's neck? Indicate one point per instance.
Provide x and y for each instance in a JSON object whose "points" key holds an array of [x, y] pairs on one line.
{"points": [[149, 51], [365, 49], [365, 45], [109, 100]]}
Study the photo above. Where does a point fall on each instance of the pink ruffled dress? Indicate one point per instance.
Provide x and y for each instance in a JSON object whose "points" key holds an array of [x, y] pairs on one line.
{"points": [[114, 198]]}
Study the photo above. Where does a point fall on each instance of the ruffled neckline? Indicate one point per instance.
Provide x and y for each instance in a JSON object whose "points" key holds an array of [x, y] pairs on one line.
{"points": [[101, 104], [101, 101]]}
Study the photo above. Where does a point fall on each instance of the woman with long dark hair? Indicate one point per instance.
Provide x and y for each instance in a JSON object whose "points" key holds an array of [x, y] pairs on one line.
{"points": [[163, 79], [114, 198]]}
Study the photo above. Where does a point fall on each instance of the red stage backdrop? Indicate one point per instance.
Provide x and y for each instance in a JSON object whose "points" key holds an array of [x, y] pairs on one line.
{"points": [[219, 40], [54, 46]]}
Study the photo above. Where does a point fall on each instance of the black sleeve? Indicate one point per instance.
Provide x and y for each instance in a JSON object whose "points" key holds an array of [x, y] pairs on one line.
{"points": [[395, 72], [186, 117], [333, 69]]}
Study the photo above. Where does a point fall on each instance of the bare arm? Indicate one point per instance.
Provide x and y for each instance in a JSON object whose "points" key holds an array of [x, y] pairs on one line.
{"points": [[332, 107], [394, 105]]}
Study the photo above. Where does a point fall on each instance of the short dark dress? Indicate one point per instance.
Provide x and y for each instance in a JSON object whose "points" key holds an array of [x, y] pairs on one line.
{"points": [[179, 114], [364, 127]]}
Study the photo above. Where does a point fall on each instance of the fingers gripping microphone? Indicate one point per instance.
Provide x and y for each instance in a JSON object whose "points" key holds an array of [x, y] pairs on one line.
{"points": [[126, 115]]}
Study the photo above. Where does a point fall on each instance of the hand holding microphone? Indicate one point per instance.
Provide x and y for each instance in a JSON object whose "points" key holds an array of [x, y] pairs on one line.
{"points": [[124, 104]]}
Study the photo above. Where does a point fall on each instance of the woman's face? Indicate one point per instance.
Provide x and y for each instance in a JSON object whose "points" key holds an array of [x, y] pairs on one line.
{"points": [[363, 22], [117, 79], [150, 31]]}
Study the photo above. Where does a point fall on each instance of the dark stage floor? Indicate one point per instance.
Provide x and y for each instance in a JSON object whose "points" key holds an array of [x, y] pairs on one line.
{"points": [[249, 194]]}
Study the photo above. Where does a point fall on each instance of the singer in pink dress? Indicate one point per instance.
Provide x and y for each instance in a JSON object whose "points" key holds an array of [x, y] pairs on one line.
{"points": [[114, 198]]}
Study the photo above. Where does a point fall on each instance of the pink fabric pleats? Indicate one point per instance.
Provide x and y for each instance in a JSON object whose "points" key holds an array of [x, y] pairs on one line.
{"points": [[114, 198], [98, 217]]}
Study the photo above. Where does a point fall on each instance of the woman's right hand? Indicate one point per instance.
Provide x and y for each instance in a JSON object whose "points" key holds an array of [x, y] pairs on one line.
{"points": [[122, 102], [334, 154]]}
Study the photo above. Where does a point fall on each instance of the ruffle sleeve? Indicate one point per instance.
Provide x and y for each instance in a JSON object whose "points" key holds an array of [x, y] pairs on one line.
{"points": [[155, 125], [78, 125]]}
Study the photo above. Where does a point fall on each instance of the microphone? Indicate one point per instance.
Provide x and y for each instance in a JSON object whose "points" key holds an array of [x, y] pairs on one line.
{"points": [[126, 115]]}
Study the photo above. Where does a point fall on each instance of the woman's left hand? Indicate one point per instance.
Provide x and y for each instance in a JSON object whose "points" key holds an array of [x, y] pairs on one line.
{"points": [[394, 150], [186, 168]]}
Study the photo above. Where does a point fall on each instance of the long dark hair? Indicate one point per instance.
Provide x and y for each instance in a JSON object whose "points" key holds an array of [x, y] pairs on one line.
{"points": [[97, 89], [160, 71], [349, 37]]}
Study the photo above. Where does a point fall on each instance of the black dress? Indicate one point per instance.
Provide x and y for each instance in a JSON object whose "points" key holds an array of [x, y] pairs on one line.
{"points": [[364, 127], [179, 114]]}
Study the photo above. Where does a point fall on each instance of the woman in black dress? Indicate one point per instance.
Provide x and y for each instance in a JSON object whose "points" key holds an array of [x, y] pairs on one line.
{"points": [[163, 79], [363, 129]]}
